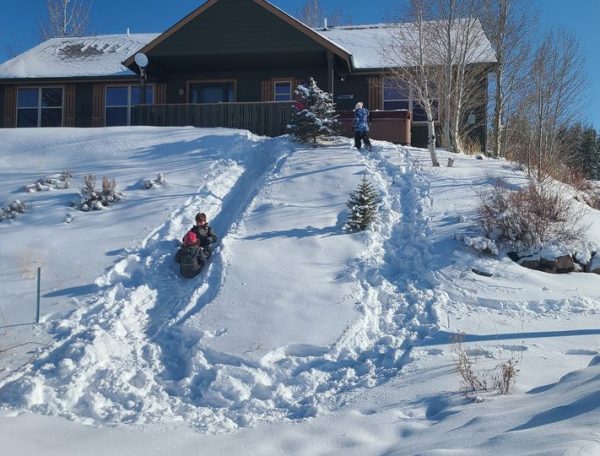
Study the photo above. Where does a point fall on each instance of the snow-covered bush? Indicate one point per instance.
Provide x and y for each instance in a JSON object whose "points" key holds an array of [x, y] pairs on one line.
{"points": [[529, 218], [151, 183], [12, 210], [363, 204], [91, 199], [58, 181], [315, 115]]}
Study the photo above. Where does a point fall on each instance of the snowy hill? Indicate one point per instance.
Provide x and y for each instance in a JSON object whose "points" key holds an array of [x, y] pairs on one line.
{"points": [[298, 337]]}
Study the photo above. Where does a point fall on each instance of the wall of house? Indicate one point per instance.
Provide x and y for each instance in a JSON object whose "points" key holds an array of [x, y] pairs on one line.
{"points": [[83, 105], [248, 83], [217, 31], [353, 89], [1, 106]]}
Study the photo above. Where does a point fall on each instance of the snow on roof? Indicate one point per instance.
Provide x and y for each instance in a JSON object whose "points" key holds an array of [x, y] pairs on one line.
{"points": [[77, 57], [102, 55], [365, 43]]}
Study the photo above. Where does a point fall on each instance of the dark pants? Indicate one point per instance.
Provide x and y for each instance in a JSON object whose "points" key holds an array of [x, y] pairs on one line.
{"points": [[361, 136]]}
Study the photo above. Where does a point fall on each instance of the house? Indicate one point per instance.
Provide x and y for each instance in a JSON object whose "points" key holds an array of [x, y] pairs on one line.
{"points": [[227, 63]]}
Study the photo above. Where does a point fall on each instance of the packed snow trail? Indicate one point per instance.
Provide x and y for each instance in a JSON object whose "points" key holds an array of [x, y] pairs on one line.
{"points": [[146, 350]]}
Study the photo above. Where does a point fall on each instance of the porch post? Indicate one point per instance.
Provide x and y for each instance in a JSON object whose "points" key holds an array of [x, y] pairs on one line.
{"points": [[330, 72]]}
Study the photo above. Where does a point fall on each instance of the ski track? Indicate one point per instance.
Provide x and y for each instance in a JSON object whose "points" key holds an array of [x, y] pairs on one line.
{"points": [[126, 356]]}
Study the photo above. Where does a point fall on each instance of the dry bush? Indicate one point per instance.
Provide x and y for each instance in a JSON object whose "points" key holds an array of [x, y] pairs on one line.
{"points": [[530, 216], [472, 382], [108, 185], [502, 378], [471, 146], [505, 375], [89, 184]]}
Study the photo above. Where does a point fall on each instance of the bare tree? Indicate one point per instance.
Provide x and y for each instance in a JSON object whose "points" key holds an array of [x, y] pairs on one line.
{"points": [[65, 18], [553, 95], [461, 51], [509, 25], [411, 69], [313, 14], [558, 83]]}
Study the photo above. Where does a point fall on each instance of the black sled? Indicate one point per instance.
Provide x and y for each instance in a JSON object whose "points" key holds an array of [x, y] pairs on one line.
{"points": [[191, 259]]}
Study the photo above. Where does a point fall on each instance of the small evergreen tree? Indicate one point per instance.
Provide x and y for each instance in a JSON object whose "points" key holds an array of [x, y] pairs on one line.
{"points": [[363, 204], [315, 115]]}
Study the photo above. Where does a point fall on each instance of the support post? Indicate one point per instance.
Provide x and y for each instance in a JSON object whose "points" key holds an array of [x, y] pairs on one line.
{"points": [[330, 73], [39, 280]]}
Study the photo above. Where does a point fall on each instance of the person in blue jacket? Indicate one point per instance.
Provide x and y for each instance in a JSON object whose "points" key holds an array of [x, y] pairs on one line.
{"points": [[360, 125]]}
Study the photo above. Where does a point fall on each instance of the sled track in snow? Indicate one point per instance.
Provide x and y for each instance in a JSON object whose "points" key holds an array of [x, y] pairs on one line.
{"points": [[109, 362], [125, 357]]}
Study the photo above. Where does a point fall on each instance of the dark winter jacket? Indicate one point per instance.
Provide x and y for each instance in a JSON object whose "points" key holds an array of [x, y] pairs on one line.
{"points": [[205, 235], [361, 120], [191, 260]]}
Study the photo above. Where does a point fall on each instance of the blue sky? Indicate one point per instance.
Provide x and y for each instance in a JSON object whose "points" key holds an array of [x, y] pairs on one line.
{"points": [[20, 18]]}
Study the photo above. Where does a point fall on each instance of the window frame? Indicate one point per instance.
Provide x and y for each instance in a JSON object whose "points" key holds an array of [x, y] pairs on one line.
{"points": [[276, 81], [210, 81], [39, 108], [129, 98]]}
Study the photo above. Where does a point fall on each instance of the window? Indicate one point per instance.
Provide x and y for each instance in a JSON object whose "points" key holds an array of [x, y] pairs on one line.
{"points": [[39, 107], [282, 90], [212, 92], [395, 95], [120, 99]]}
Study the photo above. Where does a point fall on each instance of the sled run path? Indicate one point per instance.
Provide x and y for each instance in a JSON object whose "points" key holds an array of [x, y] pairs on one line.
{"points": [[138, 352]]}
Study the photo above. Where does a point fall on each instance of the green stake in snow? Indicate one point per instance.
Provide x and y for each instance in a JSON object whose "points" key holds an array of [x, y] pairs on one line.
{"points": [[39, 279]]}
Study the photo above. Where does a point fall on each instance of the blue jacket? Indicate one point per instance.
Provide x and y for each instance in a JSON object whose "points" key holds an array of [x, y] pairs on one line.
{"points": [[361, 120]]}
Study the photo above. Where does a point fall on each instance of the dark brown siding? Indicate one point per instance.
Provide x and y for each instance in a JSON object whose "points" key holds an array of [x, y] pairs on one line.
{"points": [[98, 105], [160, 93], [266, 90], [10, 106], [69, 107], [375, 92]]}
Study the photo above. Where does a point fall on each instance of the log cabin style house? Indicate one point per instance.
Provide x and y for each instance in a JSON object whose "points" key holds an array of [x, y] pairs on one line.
{"points": [[230, 63]]}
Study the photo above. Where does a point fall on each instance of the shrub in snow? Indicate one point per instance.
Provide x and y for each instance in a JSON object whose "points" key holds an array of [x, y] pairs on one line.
{"points": [[363, 204], [505, 375], [151, 183], [11, 211], [58, 181], [478, 242], [502, 377], [91, 199], [315, 115], [529, 218]]}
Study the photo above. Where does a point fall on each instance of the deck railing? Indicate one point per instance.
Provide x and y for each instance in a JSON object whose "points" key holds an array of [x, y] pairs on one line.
{"points": [[262, 118]]}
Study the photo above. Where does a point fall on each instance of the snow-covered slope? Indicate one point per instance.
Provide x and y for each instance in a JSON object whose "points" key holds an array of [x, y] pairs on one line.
{"points": [[298, 338]]}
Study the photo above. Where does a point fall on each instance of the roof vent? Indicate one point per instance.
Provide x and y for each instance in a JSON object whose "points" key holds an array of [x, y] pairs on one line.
{"points": [[127, 31], [324, 23]]}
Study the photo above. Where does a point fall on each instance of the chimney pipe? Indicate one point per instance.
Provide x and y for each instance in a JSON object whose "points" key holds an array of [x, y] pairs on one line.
{"points": [[325, 23]]}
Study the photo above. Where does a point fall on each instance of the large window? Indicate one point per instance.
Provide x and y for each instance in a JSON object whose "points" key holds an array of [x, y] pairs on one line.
{"points": [[397, 96], [211, 91], [282, 90], [120, 99], [39, 107]]}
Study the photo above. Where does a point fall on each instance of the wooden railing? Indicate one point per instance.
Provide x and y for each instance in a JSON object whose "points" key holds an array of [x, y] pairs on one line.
{"points": [[262, 118]]}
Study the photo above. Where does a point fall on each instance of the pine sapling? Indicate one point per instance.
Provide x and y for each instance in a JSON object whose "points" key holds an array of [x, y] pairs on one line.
{"points": [[315, 115], [363, 205]]}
